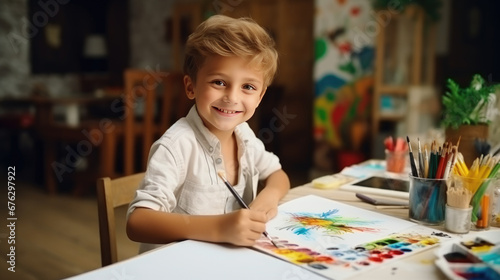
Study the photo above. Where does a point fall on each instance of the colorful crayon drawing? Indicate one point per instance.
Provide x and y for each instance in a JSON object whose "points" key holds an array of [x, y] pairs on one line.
{"points": [[327, 222]]}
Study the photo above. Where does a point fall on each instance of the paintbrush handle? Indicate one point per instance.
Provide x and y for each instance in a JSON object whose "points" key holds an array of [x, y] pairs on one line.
{"points": [[236, 195], [421, 164], [414, 171]]}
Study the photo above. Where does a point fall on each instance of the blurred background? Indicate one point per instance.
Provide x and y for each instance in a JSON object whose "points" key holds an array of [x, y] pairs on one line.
{"points": [[351, 73]]}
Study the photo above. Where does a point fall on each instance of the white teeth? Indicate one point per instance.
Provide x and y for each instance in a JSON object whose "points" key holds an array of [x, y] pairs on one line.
{"points": [[227, 112]]}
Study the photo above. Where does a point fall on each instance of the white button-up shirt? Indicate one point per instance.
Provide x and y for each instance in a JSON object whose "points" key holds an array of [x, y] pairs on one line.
{"points": [[182, 170]]}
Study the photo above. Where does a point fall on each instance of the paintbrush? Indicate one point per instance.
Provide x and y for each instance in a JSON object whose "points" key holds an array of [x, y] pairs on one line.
{"points": [[420, 160], [414, 171], [242, 203]]}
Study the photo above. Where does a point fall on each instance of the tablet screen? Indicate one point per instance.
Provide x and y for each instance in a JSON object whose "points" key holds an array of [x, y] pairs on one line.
{"points": [[385, 184]]}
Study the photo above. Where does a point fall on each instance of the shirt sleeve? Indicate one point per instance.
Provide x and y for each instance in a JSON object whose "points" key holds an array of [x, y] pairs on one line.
{"points": [[157, 189]]}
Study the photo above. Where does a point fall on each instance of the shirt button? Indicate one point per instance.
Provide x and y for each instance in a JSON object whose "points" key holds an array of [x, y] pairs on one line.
{"points": [[211, 149], [218, 161]]}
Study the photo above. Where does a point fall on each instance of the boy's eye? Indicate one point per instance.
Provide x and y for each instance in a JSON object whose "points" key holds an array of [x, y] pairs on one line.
{"points": [[218, 83], [249, 87]]}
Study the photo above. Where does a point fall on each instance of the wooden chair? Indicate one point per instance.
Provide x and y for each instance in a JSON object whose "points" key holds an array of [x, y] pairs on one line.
{"points": [[155, 93], [110, 195]]}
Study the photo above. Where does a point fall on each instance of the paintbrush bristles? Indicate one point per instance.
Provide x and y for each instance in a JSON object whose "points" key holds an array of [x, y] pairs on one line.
{"points": [[222, 175]]}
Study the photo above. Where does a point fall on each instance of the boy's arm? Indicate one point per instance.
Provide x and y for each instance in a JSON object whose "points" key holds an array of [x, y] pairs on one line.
{"points": [[277, 185], [242, 227]]}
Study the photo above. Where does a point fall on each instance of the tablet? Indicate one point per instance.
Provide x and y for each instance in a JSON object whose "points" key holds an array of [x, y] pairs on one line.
{"points": [[394, 187]]}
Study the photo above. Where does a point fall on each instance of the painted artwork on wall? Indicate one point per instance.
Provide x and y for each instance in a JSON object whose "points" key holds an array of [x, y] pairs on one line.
{"points": [[338, 240], [344, 33]]}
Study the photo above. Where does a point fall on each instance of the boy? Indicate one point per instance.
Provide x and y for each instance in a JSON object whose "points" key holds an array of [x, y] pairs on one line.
{"points": [[229, 64]]}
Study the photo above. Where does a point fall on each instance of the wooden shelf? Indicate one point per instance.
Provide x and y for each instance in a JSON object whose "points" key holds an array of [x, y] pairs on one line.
{"points": [[404, 58]]}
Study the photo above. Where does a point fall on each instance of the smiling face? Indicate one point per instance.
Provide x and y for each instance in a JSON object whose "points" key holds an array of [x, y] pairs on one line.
{"points": [[227, 91]]}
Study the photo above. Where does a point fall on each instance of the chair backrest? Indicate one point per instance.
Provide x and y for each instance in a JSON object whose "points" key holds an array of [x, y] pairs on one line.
{"points": [[155, 93], [110, 195]]}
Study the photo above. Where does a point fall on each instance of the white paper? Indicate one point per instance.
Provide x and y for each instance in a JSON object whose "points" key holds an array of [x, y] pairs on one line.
{"points": [[338, 240]]}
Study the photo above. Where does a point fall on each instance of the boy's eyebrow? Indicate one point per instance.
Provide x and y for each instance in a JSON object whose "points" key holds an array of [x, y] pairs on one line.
{"points": [[255, 81], [248, 80], [216, 74]]}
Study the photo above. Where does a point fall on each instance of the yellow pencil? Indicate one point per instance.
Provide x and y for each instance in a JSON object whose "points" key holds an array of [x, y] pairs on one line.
{"points": [[462, 164], [474, 169]]}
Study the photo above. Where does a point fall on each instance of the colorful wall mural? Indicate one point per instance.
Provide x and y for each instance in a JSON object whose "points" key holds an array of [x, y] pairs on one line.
{"points": [[344, 34]]}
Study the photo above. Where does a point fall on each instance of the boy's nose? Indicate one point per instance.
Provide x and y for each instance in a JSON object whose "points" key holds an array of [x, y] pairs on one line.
{"points": [[231, 95]]}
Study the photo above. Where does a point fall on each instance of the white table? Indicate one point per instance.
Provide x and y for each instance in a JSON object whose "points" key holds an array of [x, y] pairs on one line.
{"points": [[200, 260]]}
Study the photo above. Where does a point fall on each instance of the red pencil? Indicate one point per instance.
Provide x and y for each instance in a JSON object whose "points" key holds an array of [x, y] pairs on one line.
{"points": [[442, 162]]}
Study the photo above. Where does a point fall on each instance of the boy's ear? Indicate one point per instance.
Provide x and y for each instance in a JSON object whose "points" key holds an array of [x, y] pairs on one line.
{"points": [[189, 87], [262, 95]]}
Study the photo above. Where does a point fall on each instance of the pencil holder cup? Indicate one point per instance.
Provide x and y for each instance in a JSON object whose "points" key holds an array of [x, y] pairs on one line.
{"points": [[483, 200], [427, 200], [395, 161], [457, 219]]}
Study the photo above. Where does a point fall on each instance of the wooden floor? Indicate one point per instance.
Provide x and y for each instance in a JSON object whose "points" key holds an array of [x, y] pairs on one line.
{"points": [[57, 236]]}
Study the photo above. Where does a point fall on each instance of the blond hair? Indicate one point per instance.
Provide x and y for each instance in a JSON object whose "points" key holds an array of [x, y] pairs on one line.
{"points": [[226, 36]]}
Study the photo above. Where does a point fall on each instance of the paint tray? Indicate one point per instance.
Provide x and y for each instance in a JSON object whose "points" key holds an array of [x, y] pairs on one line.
{"points": [[473, 257]]}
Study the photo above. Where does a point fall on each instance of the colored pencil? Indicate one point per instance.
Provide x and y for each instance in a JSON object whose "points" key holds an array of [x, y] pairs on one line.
{"points": [[442, 162]]}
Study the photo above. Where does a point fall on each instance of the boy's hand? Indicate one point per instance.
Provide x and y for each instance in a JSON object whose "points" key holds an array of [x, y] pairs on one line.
{"points": [[267, 206], [243, 227], [276, 186]]}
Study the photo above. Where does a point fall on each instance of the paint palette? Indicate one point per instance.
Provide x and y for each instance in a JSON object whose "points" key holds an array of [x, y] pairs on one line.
{"points": [[472, 258], [344, 260]]}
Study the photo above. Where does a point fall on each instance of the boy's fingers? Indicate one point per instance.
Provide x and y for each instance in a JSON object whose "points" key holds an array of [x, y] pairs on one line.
{"points": [[259, 216], [271, 214]]}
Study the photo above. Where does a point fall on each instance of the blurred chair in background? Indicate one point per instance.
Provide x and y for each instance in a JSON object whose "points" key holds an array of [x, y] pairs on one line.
{"points": [[152, 102]]}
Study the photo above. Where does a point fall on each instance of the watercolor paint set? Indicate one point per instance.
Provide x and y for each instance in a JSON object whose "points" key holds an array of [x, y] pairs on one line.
{"points": [[338, 241], [344, 261], [472, 257]]}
